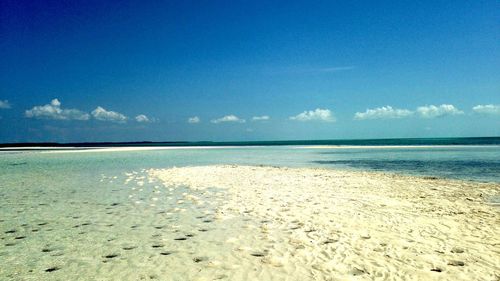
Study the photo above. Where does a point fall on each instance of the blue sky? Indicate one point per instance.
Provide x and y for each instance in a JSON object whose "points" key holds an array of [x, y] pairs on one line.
{"points": [[202, 70]]}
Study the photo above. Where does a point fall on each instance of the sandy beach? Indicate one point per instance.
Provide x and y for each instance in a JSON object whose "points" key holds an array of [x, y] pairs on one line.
{"points": [[319, 224], [249, 141]]}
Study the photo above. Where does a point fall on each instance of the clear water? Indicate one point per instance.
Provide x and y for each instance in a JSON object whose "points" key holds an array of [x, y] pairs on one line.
{"points": [[73, 216], [480, 163], [357, 142], [466, 163]]}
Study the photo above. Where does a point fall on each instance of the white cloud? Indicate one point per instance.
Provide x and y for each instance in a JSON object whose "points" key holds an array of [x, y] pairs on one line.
{"points": [[318, 114], [141, 118], [54, 111], [384, 112], [432, 111], [194, 120], [4, 104], [103, 115], [261, 118], [487, 109], [228, 118]]}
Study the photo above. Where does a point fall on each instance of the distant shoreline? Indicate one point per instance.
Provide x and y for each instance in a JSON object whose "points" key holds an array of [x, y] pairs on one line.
{"points": [[400, 142]]}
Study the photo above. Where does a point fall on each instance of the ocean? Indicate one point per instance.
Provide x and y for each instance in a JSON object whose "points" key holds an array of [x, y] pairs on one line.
{"points": [[466, 162], [357, 142]]}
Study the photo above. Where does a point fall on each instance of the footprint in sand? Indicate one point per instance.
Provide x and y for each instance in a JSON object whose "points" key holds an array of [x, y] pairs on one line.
{"points": [[329, 241], [200, 259], [456, 263], [111, 256], [356, 271], [52, 269], [258, 254], [437, 269], [457, 250]]}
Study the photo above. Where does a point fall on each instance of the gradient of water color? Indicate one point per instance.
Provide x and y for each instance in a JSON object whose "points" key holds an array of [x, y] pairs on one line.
{"points": [[90, 215]]}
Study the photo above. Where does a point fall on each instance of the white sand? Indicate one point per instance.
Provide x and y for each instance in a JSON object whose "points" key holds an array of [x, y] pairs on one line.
{"points": [[144, 148], [128, 148], [319, 224]]}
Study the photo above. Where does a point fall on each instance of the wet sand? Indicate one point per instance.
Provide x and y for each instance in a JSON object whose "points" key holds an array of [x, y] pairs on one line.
{"points": [[318, 224]]}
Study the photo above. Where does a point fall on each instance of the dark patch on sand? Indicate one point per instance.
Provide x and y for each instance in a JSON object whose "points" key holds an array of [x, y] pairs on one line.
{"points": [[52, 269]]}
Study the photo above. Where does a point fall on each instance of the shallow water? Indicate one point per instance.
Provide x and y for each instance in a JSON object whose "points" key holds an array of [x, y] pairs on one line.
{"points": [[92, 215], [480, 163], [466, 163], [85, 226]]}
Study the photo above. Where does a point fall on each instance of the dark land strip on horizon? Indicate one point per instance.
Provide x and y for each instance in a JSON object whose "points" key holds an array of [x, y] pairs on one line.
{"points": [[355, 142]]}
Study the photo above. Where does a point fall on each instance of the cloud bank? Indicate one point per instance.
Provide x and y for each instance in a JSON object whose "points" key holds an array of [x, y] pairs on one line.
{"points": [[319, 114], [228, 118], [493, 109], [427, 112], [104, 115], [432, 111], [384, 112], [55, 112]]}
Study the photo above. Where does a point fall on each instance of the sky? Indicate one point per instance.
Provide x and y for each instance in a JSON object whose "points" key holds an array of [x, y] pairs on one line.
{"points": [[76, 71]]}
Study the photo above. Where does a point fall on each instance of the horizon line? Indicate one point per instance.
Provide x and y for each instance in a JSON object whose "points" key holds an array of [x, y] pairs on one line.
{"points": [[205, 142]]}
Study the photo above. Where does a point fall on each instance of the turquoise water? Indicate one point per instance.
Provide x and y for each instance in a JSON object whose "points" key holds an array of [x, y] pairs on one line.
{"points": [[466, 163], [358, 142], [481, 163], [96, 215], [78, 216]]}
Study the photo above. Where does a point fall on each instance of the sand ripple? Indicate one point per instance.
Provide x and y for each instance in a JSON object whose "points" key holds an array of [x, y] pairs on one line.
{"points": [[317, 224]]}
